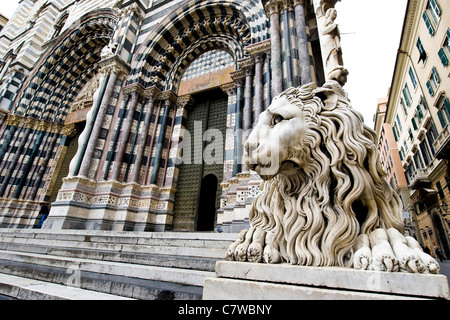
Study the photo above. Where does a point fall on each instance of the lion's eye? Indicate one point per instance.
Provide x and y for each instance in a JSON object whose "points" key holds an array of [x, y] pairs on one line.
{"points": [[277, 119]]}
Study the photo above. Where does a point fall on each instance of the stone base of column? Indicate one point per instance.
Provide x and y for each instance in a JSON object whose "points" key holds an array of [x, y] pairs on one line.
{"points": [[244, 281], [111, 205]]}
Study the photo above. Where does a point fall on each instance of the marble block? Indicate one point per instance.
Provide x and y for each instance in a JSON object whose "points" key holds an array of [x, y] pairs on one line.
{"points": [[242, 281]]}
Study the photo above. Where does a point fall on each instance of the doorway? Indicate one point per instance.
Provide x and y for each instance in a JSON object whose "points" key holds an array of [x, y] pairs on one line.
{"points": [[207, 203], [210, 109]]}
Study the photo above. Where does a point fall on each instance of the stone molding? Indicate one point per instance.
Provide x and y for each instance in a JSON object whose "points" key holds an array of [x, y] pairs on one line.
{"points": [[15, 120]]}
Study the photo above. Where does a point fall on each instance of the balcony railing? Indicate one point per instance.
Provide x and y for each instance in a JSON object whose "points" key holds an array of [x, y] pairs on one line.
{"points": [[418, 178], [442, 143]]}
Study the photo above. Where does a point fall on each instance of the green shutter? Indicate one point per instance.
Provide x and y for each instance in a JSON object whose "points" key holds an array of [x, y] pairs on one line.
{"points": [[443, 57], [430, 88], [413, 120], [434, 5], [428, 23], [441, 119]]}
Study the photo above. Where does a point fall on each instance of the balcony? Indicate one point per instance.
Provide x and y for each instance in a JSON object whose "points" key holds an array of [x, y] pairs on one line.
{"points": [[442, 144], [419, 179]]}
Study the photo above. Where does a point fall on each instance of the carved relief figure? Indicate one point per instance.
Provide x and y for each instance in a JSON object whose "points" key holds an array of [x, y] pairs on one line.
{"points": [[324, 200], [332, 48]]}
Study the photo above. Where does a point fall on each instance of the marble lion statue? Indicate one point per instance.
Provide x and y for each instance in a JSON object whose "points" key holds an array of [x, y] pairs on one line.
{"points": [[324, 200]]}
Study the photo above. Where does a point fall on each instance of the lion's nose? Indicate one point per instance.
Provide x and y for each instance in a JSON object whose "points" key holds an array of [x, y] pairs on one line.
{"points": [[251, 146]]}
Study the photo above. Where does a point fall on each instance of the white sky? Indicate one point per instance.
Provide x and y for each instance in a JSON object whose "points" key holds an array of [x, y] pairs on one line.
{"points": [[370, 33], [7, 7], [370, 38]]}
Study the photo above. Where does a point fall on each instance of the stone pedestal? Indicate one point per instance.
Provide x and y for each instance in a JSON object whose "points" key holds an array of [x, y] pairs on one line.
{"points": [[243, 281]]}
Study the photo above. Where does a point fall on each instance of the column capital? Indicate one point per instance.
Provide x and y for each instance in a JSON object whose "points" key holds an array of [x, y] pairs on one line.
{"points": [[169, 97], [259, 48], [286, 5], [114, 64], [299, 2], [152, 93], [229, 88], [134, 88], [246, 63], [271, 7], [238, 77], [185, 101]]}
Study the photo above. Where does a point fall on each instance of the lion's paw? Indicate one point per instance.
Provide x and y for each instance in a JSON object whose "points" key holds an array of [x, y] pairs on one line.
{"points": [[363, 255], [408, 260], [232, 249], [392, 251], [272, 255], [430, 264], [255, 253], [240, 254], [383, 257]]}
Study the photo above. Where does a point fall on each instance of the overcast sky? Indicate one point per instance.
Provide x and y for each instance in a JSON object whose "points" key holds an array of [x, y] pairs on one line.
{"points": [[370, 39], [371, 33]]}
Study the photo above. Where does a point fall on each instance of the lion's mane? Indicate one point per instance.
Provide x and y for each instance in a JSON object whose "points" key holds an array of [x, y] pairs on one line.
{"points": [[315, 212]]}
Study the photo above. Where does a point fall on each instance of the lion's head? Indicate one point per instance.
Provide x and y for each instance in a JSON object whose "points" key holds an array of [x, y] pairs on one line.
{"points": [[323, 184]]}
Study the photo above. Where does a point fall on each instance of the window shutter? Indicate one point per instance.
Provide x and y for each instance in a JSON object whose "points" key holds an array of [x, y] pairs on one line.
{"points": [[441, 119], [428, 23], [435, 7], [413, 120], [443, 57], [447, 105], [430, 88]]}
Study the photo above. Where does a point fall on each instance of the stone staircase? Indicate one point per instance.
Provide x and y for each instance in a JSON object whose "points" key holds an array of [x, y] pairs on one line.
{"points": [[98, 265]]}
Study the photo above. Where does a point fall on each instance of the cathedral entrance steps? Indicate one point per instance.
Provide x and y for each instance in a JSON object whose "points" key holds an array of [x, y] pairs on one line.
{"points": [[135, 265], [29, 289]]}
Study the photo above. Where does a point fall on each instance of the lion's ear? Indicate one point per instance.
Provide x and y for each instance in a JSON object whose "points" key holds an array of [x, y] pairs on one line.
{"points": [[329, 97]]}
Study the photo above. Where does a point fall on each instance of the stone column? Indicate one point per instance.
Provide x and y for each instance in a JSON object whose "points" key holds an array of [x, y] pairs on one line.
{"points": [[123, 137], [238, 77], [277, 68], [259, 87], [152, 95], [168, 98], [302, 42], [261, 54], [112, 72], [248, 123], [287, 49]]}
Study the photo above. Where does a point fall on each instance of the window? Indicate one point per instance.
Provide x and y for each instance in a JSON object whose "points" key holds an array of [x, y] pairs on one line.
{"points": [[399, 124], [444, 52], [395, 131], [405, 111], [433, 82], [407, 95], [428, 23], [443, 106], [431, 140], [413, 78], [435, 11], [425, 152], [411, 136], [431, 16], [422, 52], [439, 189]]}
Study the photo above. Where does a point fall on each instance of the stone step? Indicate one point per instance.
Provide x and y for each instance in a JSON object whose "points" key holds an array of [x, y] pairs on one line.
{"points": [[198, 251], [180, 239], [29, 289], [139, 265], [124, 279]]}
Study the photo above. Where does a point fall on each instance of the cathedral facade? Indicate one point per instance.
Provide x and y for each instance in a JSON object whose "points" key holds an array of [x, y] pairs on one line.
{"points": [[130, 115]]}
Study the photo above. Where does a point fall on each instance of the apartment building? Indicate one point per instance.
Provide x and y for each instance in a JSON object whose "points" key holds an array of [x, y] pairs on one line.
{"points": [[418, 109], [392, 164]]}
